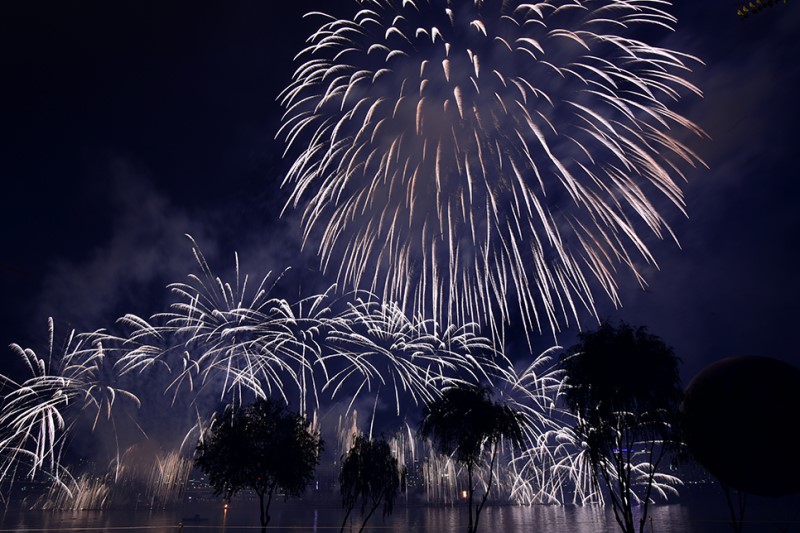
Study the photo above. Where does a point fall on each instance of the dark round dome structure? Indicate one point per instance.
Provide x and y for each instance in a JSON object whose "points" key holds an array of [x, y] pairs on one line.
{"points": [[741, 416]]}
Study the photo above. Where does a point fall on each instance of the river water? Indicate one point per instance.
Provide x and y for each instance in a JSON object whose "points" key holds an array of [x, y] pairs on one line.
{"points": [[708, 514]]}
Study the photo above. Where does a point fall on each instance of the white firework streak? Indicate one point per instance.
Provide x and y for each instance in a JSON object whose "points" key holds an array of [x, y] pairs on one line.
{"points": [[555, 466], [534, 392], [221, 339], [550, 468], [87, 492], [573, 468], [156, 476], [235, 343], [377, 345], [457, 156], [230, 340], [159, 480], [308, 323], [641, 457], [38, 413], [569, 474]]}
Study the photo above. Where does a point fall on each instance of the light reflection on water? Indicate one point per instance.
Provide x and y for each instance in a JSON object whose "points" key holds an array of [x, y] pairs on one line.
{"points": [[708, 517]]}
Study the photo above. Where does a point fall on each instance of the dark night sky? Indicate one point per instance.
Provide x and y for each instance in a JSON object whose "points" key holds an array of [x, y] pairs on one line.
{"points": [[126, 125]]}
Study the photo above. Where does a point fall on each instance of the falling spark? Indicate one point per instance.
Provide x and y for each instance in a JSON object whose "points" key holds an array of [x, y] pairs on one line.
{"points": [[226, 337], [459, 157], [376, 345], [230, 342], [38, 413]]}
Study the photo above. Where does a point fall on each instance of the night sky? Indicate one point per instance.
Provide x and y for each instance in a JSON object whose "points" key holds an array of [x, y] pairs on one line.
{"points": [[126, 125]]}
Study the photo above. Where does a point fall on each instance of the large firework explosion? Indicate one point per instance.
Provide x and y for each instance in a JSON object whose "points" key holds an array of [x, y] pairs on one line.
{"points": [[458, 157], [458, 163], [226, 343]]}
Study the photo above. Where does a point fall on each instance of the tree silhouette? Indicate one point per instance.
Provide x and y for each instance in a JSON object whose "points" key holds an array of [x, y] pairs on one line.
{"points": [[263, 447], [623, 386], [464, 422], [369, 474]]}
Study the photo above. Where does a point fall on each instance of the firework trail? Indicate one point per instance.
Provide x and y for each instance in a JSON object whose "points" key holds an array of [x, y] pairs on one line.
{"points": [[38, 413], [229, 340], [555, 467], [226, 341], [640, 456], [87, 492], [377, 345], [552, 468], [457, 156], [151, 476], [235, 342], [433, 475], [537, 472], [554, 471], [140, 477], [548, 468]]}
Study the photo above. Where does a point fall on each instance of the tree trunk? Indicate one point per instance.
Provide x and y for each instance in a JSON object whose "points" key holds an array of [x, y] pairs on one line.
{"points": [[737, 518], [264, 508], [470, 529], [363, 524], [653, 461], [262, 512], [479, 507], [615, 488], [346, 516]]}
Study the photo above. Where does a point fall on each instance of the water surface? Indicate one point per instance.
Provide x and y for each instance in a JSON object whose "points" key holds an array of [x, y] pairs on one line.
{"points": [[708, 514]]}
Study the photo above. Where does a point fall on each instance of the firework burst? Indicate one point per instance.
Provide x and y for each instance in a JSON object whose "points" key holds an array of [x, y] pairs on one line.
{"points": [[230, 342], [230, 339], [456, 157], [377, 345], [37, 415]]}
